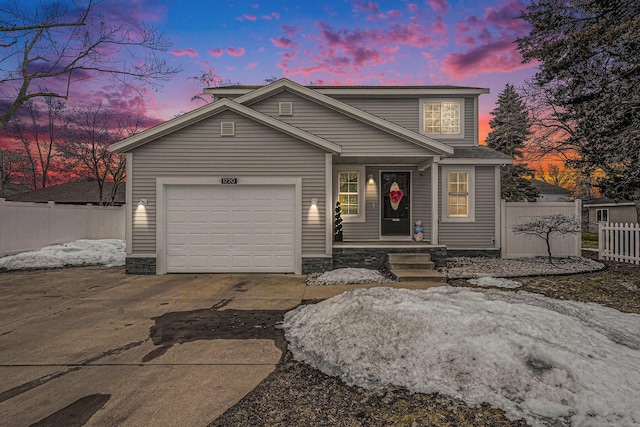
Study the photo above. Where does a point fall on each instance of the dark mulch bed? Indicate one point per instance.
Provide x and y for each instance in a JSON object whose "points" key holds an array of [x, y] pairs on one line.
{"points": [[296, 394]]}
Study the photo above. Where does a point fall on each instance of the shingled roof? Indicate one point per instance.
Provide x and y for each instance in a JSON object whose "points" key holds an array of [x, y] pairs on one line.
{"points": [[75, 192]]}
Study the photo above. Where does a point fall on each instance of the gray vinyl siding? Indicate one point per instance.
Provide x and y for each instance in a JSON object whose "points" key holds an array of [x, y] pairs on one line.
{"points": [[420, 205], [255, 150], [477, 234], [406, 112], [355, 138]]}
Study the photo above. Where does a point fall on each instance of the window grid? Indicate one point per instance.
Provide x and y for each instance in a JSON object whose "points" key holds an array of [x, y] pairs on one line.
{"points": [[348, 192], [602, 215], [442, 118], [458, 194]]}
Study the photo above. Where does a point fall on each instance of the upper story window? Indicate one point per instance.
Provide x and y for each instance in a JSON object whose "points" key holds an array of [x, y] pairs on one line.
{"points": [[442, 117]]}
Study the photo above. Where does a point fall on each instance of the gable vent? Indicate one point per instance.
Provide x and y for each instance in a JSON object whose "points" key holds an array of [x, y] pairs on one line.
{"points": [[285, 108], [227, 128]]}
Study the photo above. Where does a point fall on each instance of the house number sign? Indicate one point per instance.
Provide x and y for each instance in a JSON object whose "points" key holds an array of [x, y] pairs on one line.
{"points": [[229, 180]]}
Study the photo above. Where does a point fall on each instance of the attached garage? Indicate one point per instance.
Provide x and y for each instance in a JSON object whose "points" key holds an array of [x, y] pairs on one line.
{"points": [[244, 227]]}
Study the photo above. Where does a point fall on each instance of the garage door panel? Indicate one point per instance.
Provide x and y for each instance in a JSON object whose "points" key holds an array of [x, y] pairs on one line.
{"points": [[230, 228]]}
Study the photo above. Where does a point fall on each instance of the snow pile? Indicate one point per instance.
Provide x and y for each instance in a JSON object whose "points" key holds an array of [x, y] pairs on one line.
{"points": [[343, 276], [107, 252], [537, 358], [495, 281]]}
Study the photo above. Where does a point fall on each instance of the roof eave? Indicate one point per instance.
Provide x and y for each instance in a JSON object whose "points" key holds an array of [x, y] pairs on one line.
{"points": [[475, 161], [341, 107], [211, 110]]}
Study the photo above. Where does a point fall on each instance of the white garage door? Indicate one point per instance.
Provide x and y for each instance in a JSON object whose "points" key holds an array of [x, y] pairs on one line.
{"points": [[230, 228]]}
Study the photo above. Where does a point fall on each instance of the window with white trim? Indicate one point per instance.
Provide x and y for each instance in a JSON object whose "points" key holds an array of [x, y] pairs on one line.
{"points": [[458, 194], [602, 215], [442, 117], [350, 192]]}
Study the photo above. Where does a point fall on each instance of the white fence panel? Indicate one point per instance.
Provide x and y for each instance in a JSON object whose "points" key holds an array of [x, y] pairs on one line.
{"points": [[619, 242], [522, 246], [30, 226]]}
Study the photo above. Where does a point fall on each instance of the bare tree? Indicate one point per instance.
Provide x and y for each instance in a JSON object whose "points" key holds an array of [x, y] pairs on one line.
{"points": [[38, 128], [545, 226], [86, 148], [54, 45], [13, 164]]}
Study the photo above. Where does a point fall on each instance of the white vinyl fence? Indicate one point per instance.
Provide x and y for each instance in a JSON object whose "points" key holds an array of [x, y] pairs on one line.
{"points": [[522, 246], [30, 226], [619, 242]]}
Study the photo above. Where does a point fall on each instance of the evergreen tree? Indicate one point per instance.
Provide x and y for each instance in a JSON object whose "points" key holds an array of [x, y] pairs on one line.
{"points": [[589, 74], [510, 129], [338, 223]]}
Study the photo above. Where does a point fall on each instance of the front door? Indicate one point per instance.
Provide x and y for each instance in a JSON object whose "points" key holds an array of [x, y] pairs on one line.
{"points": [[396, 204]]}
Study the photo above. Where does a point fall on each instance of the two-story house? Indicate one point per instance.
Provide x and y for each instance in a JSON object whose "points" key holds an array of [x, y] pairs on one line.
{"points": [[249, 182]]}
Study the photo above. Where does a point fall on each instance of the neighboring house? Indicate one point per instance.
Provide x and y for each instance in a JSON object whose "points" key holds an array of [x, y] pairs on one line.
{"points": [[249, 182], [551, 193], [73, 193], [608, 210], [7, 189]]}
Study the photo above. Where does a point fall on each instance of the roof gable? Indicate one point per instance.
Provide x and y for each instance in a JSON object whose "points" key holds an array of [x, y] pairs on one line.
{"points": [[211, 110], [347, 110]]}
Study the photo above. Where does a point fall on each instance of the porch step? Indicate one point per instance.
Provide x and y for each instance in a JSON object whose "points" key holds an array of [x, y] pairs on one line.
{"points": [[414, 266], [413, 275]]}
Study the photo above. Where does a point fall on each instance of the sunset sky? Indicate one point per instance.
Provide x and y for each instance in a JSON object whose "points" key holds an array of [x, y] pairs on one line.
{"points": [[326, 42]]}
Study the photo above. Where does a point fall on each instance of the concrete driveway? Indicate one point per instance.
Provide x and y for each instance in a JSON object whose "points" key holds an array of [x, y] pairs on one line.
{"points": [[94, 347]]}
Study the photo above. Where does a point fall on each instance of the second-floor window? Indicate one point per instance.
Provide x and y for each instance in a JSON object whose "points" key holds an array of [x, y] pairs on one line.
{"points": [[442, 117]]}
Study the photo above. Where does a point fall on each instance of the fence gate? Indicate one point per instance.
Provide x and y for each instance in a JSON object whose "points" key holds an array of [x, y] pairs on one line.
{"points": [[619, 242]]}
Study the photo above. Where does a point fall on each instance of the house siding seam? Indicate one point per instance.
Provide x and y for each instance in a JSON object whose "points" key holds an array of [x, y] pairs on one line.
{"points": [[255, 150], [477, 234], [355, 137]]}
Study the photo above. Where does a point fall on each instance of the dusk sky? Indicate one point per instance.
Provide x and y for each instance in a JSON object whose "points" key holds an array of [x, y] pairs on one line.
{"points": [[326, 42]]}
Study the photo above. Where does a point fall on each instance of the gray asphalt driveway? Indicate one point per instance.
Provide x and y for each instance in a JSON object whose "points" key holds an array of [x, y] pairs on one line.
{"points": [[95, 347]]}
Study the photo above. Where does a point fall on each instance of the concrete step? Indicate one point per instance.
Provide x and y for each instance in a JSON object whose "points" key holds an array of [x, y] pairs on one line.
{"points": [[414, 275], [409, 258], [415, 265]]}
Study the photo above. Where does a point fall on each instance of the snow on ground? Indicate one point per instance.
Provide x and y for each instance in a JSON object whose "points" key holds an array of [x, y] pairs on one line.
{"points": [[343, 276], [107, 252], [537, 358], [495, 281], [474, 267]]}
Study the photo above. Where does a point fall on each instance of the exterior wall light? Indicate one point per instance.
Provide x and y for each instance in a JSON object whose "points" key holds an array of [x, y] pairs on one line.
{"points": [[314, 203], [371, 181], [142, 204]]}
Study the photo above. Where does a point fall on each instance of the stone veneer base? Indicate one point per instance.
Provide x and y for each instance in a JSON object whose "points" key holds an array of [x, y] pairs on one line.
{"points": [[140, 266]]}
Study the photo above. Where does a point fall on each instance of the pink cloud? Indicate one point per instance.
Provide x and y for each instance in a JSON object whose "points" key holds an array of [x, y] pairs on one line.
{"points": [[367, 6], [289, 30], [412, 7], [498, 56], [217, 53], [394, 13], [276, 15], [255, 6], [284, 42], [251, 66], [235, 52], [439, 6], [266, 17], [249, 17], [184, 52]]}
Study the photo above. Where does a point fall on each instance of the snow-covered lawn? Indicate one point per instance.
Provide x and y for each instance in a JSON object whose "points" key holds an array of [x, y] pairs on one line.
{"points": [[107, 252], [497, 282], [537, 358]]}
